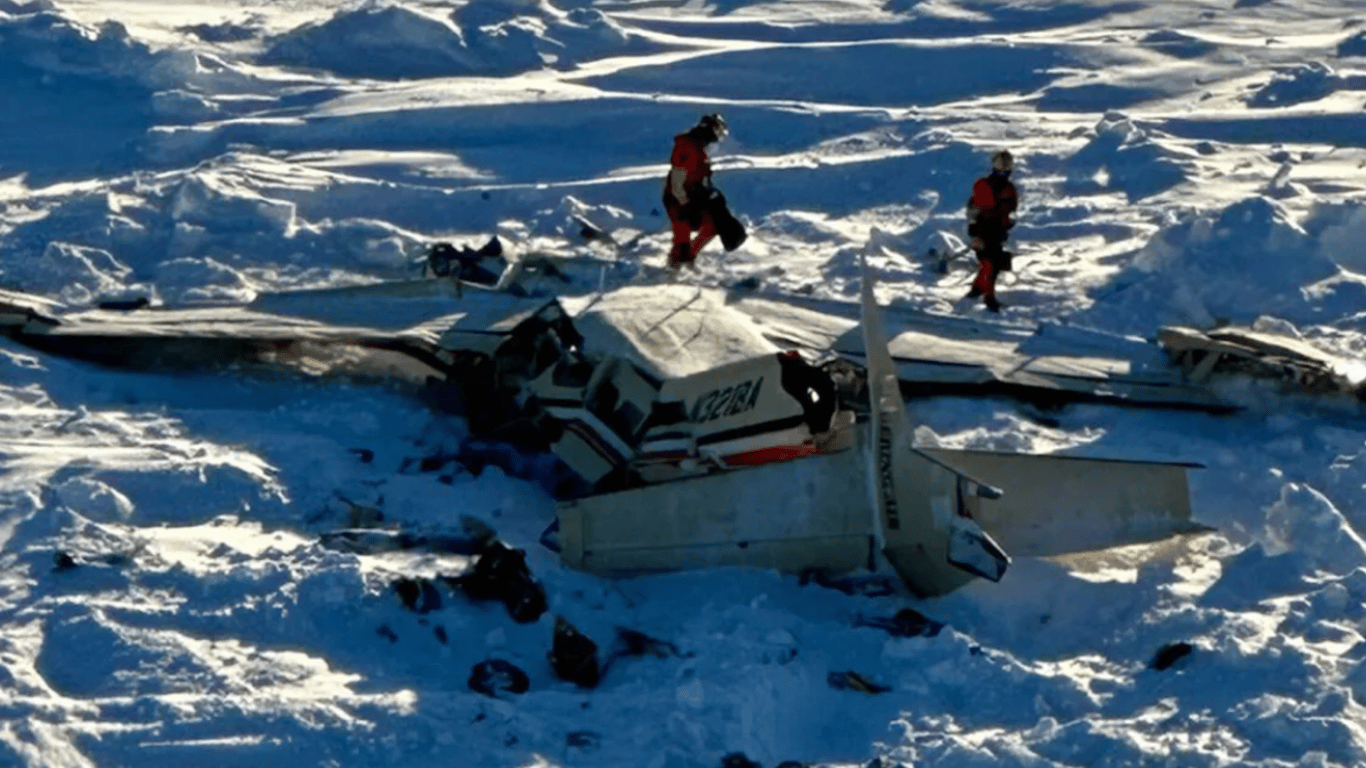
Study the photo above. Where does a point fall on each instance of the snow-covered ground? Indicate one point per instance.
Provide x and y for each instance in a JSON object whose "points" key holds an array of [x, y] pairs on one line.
{"points": [[1179, 162]]}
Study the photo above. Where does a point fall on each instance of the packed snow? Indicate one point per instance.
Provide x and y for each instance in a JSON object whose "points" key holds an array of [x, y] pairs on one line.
{"points": [[170, 594]]}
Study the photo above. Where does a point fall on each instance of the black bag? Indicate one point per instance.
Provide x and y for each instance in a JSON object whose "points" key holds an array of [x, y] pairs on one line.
{"points": [[501, 573], [573, 656], [730, 229], [495, 676]]}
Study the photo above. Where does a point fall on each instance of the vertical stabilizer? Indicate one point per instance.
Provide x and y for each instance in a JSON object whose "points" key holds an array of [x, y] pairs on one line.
{"points": [[926, 532]]}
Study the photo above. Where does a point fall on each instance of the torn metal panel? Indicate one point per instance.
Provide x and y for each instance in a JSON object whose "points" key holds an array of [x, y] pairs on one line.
{"points": [[1290, 362]]}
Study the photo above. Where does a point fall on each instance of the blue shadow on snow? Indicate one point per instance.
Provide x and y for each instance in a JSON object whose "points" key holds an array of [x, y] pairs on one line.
{"points": [[63, 128]]}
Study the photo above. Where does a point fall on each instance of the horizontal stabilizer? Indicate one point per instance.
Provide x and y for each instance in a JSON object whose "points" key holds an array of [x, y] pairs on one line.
{"points": [[973, 550]]}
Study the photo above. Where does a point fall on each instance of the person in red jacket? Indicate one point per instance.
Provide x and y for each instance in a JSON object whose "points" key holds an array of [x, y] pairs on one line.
{"points": [[990, 218], [688, 190]]}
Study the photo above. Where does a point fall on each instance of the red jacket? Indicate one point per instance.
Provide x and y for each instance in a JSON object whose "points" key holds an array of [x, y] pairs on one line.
{"points": [[994, 199], [690, 157]]}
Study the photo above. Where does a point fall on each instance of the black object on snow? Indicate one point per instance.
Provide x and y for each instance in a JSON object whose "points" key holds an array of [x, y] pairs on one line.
{"points": [[908, 622], [408, 591], [738, 760], [1169, 654], [791, 764], [124, 305], [495, 676], [573, 656], [61, 561], [729, 228], [418, 595], [874, 585], [501, 574], [466, 263], [582, 739], [630, 642], [853, 681], [633, 643]]}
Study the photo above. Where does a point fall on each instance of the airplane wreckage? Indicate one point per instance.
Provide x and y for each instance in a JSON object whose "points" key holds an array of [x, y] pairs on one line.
{"points": [[705, 428]]}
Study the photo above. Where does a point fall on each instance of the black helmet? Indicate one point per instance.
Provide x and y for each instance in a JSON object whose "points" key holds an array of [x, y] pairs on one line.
{"points": [[1003, 161], [715, 124]]}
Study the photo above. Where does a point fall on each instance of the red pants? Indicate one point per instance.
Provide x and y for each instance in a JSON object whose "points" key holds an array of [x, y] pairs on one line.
{"points": [[985, 282], [990, 259], [686, 247]]}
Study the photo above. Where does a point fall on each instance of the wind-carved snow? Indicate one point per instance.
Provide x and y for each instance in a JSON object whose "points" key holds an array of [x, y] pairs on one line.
{"points": [[496, 37], [1124, 157], [1296, 85], [1248, 259], [210, 234]]}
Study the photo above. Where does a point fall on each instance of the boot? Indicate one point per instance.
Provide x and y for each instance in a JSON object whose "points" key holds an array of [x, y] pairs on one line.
{"points": [[993, 304], [679, 255]]}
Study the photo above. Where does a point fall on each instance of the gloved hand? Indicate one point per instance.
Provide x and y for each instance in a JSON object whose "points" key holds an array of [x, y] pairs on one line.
{"points": [[692, 212]]}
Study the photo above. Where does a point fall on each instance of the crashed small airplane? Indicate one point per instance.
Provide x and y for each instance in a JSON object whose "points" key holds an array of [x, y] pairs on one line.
{"points": [[845, 498], [697, 437]]}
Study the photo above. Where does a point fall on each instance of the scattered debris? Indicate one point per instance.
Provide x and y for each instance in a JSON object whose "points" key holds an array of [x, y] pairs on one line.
{"points": [[65, 561], [748, 284], [738, 760], [1169, 654], [473, 540], [867, 586], [124, 305], [501, 574], [418, 595], [61, 561], [361, 515], [908, 622], [583, 739], [496, 676], [408, 591], [386, 633], [480, 267], [573, 656], [632, 643], [853, 681]]}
